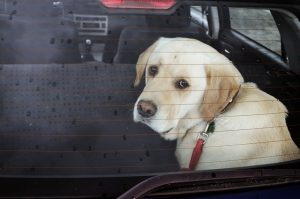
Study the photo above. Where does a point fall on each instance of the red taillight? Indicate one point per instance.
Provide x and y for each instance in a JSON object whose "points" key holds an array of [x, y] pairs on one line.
{"points": [[139, 4]]}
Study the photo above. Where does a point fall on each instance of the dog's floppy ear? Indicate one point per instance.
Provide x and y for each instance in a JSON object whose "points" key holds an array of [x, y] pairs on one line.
{"points": [[223, 83], [142, 63]]}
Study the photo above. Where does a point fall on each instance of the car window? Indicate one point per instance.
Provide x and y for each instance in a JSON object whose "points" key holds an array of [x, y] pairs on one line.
{"points": [[257, 24], [199, 16], [100, 89]]}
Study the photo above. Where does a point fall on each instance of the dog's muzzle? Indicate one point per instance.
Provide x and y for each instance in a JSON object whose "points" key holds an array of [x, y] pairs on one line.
{"points": [[146, 108]]}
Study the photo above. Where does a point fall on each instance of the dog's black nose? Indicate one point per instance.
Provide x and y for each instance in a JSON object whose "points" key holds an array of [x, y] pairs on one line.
{"points": [[146, 108]]}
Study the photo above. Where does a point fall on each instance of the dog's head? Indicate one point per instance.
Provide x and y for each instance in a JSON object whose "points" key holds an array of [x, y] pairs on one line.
{"points": [[187, 82]]}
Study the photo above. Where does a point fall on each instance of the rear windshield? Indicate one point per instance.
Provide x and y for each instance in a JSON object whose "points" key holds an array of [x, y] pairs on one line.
{"points": [[78, 97]]}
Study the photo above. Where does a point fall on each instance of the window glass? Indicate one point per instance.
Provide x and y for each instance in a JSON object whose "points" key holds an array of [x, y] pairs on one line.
{"points": [[257, 24], [199, 15], [68, 106]]}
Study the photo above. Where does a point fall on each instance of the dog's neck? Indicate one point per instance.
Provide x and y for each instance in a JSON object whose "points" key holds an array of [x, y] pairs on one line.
{"points": [[191, 128], [196, 130], [195, 127], [188, 142]]}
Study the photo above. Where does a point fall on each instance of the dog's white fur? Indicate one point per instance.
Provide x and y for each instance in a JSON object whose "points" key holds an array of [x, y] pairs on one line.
{"points": [[252, 130]]}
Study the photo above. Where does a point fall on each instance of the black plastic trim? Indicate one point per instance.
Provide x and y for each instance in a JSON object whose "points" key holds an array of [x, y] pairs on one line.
{"points": [[250, 179]]}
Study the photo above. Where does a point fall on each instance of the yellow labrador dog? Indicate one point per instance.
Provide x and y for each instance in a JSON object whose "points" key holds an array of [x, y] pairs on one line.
{"points": [[191, 87]]}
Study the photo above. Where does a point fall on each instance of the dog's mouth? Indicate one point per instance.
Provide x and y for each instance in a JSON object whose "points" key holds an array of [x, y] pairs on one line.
{"points": [[165, 132]]}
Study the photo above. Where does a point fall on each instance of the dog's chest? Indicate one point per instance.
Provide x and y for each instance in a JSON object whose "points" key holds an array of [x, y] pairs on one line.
{"points": [[228, 142]]}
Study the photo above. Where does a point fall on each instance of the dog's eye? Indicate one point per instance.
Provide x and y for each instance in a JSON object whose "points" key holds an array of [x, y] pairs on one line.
{"points": [[182, 84], [153, 70]]}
